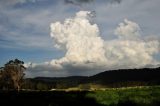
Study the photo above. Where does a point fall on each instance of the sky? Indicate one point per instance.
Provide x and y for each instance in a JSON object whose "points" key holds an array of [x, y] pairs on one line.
{"points": [[57, 38]]}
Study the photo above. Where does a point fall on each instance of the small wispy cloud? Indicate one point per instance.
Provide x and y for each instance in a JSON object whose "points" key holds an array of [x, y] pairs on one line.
{"points": [[9, 3]]}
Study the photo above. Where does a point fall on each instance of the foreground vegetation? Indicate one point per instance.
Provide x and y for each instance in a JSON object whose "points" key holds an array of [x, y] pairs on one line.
{"points": [[140, 96]]}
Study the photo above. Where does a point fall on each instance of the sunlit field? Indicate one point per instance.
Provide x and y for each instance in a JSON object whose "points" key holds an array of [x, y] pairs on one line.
{"points": [[136, 96]]}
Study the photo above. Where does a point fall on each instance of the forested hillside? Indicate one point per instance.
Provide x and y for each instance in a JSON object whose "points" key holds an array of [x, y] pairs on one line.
{"points": [[113, 78]]}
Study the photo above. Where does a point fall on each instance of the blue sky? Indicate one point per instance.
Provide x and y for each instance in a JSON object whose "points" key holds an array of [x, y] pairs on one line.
{"points": [[25, 24]]}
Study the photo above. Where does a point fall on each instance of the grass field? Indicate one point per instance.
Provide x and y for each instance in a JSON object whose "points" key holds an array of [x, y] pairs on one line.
{"points": [[137, 96], [141, 96]]}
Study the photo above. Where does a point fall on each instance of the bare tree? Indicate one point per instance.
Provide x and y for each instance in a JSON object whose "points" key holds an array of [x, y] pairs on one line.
{"points": [[13, 74]]}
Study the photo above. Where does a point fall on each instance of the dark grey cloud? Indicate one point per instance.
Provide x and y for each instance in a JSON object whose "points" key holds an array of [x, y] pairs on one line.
{"points": [[80, 2], [77, 2], [115, 1]]}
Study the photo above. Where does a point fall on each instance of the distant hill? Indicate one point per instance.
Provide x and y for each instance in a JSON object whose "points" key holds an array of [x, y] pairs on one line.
{"points": [[145, 76], [113, 78]]}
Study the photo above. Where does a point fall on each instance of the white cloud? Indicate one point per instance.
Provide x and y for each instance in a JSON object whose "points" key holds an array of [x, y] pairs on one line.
{"points": [[88, 53], [128, 30], [79, 38], [82, 43], [128, 50]]}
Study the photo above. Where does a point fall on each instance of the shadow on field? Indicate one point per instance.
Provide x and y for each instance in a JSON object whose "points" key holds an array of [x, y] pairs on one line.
{"points": [[46, 98]]}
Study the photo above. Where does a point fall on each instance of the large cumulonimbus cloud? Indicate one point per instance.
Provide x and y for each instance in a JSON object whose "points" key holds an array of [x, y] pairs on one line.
{"points": [[83, 43], [87, 53], [80, 39]]}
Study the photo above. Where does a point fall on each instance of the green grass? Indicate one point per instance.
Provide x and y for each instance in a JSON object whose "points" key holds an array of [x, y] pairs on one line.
{"points": [[144, 96]]}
